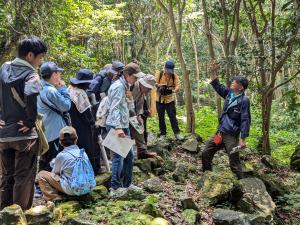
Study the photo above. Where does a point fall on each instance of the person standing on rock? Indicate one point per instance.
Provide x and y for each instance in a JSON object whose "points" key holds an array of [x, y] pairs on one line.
{"points": [[234, 122], [168, 84], [119, 103], [139, 91], [18, 136]]}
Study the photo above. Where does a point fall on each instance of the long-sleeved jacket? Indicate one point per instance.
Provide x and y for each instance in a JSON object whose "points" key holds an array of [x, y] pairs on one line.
{"points": [[118, 108], [21, 76], [235, 118], [58, 99]]}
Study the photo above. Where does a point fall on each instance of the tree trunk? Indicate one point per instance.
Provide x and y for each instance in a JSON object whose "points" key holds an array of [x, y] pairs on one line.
{"points": [[196, 63]]}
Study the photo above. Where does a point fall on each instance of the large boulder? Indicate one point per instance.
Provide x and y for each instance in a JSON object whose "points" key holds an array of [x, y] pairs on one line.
{"points": [[255, 199], [12, 215], [218, 186], [41, 215], [153, 185]]}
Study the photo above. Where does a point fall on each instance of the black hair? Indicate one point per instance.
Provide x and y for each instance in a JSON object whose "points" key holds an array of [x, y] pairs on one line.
{"points": [[241, 80], [31, 44], [83, 86], [68, 140], [46, 76]]}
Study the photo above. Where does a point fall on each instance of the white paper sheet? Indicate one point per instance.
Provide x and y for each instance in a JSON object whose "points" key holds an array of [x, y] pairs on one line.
{"points": [[118, 145], [136, 125]]}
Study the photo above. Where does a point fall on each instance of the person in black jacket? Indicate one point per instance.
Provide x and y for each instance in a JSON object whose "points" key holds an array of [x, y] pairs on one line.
{"points": [[82, 117], [18, 136], [234, 122]]}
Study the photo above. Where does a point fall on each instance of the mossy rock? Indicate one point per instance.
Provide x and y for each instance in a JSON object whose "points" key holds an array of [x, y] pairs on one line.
{"points": [[99, 192], [169, 165], [132, 218], [77, 221], [40, 215], [103, 179], [138, 175], [217, 186], [181, 173], [12, 215], [70, 208], [191, 216], [159, 221]]}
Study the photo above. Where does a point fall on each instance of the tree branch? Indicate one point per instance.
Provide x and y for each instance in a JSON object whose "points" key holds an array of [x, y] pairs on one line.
{"points": [[285, 82], [161, 4]]}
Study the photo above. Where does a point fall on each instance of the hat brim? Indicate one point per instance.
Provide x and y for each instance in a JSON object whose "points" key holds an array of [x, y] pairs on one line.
{"points": [[76, 81], [142, 82], [59, 69], [139, 75], [168, 70]]}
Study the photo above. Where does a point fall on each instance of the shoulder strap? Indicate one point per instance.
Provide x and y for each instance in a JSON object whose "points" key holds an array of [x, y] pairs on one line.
{"points": [[17, 97], [50, 107], [80, 153], [160, 75]]}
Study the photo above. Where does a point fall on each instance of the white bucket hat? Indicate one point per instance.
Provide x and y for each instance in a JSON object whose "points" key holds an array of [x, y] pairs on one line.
{"points": [[148, 81]]}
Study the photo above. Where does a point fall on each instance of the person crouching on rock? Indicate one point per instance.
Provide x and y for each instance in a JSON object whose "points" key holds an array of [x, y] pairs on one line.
{"points": [[234, 122], [58, 182]]}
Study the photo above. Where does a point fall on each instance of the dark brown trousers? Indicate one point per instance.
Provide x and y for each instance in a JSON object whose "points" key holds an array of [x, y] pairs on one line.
{"points": [[18, 161], [228, 143]]}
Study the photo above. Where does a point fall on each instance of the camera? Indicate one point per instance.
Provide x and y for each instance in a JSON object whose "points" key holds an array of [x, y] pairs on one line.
{"points": [[165, 90]]}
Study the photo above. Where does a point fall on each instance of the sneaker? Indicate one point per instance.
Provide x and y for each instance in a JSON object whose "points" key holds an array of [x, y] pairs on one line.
{"points": [[37, 192], [117, 193], [179, 137], [132, 187]]}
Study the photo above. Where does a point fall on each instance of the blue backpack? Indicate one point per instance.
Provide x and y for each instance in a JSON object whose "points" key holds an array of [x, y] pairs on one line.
{"points": [[83, 179]]}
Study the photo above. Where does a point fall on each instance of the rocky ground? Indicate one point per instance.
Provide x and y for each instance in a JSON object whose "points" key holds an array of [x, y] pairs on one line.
{"points": [[175, 191]]}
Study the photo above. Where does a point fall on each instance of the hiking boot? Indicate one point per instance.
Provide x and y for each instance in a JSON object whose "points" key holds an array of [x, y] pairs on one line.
{"points": [[147, 155], [132, 187], [179, 137], [117, 193]]}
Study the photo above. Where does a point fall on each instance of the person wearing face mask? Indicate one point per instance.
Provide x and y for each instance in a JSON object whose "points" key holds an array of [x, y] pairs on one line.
{"points": [[234, 122], [120, 101], [54, 100]]}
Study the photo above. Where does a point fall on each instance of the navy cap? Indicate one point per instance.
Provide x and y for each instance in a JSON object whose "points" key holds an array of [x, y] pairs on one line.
{"points": [[169, 67], [118, 66], [83, 76], [47, 68]]}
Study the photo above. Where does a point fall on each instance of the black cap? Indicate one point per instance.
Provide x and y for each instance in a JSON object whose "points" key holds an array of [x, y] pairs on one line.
{"points": [[169, 67], [83, 76], [242, 81], [47, 68], [118, 66]]}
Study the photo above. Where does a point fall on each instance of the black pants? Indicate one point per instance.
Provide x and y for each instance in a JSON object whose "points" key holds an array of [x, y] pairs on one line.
{"points": [[171, 111], [228, 143], [54, 149]]}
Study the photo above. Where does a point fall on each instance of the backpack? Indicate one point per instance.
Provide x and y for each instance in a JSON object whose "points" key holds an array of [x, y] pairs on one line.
{"points": [[83, 179], [102, 112]]}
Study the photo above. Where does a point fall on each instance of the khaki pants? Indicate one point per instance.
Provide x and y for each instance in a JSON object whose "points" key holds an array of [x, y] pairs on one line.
{"points": [[139, 140], [50, 185], [18, 161], [228, 143]]}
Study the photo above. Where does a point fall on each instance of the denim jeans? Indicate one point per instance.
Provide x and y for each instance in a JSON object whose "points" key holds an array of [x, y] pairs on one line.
{"points": [[122, 167]]}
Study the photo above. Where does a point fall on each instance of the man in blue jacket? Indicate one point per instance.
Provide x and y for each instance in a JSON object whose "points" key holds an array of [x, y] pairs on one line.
{"points": [[234, 122], [54, 100]]}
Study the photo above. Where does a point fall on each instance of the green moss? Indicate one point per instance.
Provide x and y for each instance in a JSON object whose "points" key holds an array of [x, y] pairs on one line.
{"points": [[132, 218], [70, 208], [190, 216]]}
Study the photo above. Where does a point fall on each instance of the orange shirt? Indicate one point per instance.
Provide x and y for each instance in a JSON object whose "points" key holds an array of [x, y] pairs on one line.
{"points": [[166, 79]]}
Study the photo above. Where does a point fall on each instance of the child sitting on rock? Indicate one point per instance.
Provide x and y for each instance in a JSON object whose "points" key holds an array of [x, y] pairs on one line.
{"points": [[61, 179]]}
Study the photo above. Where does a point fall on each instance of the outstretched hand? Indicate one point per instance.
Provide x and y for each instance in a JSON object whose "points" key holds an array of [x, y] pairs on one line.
{"points": [[23, 129], [213, 70]]}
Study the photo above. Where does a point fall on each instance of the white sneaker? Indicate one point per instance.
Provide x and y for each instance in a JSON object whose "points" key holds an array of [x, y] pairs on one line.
{"points": [[179, 137], [117, 193], [132, 187]]}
